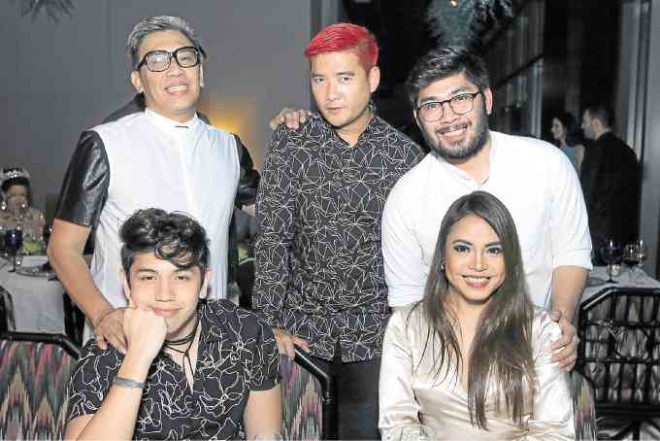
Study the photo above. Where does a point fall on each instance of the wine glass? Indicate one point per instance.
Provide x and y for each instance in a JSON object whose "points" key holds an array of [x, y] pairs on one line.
{"points": [[641, 252], [13, 244], [611, 255], [631, 258]]}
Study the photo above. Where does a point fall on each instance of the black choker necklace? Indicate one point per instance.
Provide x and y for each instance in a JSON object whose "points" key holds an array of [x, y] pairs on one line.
{"points": [[188, 339]]}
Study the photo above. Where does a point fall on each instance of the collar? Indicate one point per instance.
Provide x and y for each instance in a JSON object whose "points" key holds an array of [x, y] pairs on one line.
{"points": [[211, 330], [451, 168], [374, 126], [171, 127], [603, 134]]}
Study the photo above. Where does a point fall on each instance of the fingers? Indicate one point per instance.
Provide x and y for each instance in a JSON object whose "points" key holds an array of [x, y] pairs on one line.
{"points": [[568, 333], [291, 117], [110, 329], [285, 346], [555, 315], [280, 117], [285, 341], [302, 343], [566, 356], [100, 341]]}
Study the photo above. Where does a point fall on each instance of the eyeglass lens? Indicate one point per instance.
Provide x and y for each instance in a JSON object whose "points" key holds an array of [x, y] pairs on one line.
{"points": [[460, 105], [158, 61]]}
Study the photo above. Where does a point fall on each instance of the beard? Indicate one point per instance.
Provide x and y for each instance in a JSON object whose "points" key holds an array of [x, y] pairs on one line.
{"points": [[461, 150]]}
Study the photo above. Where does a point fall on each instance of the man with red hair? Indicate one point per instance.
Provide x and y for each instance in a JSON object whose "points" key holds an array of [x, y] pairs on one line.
{"points": [[319, 267]]}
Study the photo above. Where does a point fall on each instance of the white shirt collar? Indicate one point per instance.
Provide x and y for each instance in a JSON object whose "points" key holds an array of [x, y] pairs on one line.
{"points": [[464, 175], [171, 127]]}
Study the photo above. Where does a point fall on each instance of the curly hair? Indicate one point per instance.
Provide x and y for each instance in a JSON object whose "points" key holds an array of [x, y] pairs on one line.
{"points": [[175, 237]]}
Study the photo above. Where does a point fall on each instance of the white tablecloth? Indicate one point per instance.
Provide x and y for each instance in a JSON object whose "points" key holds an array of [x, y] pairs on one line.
{"points": [[36, 302], [598, 276]]}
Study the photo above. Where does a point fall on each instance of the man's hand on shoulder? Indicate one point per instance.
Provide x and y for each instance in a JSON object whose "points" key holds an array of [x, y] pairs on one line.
{"points": [[286, 341], [109, 329], [290, 117], [565, 349]]}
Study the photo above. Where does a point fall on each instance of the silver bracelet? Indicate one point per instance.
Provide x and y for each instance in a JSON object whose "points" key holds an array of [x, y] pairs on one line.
{"points": [[127, 382]]}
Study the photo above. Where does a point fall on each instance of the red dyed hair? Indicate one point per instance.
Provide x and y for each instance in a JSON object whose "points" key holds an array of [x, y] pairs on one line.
{"points": [[343, 37]]}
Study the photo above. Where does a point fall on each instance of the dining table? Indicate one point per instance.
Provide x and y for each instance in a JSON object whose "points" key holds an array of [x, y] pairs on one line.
{"points": [[598, 281], [33, 296]]}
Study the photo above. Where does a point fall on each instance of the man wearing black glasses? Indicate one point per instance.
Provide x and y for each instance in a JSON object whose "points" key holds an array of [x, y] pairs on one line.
{"points": [[450, 93], [164, 156]]}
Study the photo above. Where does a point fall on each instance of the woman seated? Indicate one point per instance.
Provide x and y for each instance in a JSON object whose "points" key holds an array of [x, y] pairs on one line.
{"points": [[15, 210], [471, 360], [193, 370]]}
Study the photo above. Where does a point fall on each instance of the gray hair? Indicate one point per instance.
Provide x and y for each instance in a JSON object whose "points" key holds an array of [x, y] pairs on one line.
{"points": [[158, 24]]}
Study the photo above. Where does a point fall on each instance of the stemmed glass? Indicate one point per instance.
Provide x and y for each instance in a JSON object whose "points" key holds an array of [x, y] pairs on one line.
{"points": [[631, 258], [611, 254], [641, 253], [13, 244]]}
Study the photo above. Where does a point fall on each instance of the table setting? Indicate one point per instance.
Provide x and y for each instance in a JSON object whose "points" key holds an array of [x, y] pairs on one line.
{"points": [[31, 291]]}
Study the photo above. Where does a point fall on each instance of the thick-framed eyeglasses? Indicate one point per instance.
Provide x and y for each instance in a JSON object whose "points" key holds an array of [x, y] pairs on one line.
{"points": [[432, 111], [160, 60]]}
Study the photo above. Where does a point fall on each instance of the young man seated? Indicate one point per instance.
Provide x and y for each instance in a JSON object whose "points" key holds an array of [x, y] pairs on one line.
{"points": [[193, 370]]}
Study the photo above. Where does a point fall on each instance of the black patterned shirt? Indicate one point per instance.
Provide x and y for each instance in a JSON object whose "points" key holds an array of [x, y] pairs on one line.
{"points": [[319, 267], [236, 354]]}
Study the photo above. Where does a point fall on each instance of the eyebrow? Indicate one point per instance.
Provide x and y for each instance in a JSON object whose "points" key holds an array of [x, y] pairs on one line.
{"points": [[452, 94], [466, 242]]}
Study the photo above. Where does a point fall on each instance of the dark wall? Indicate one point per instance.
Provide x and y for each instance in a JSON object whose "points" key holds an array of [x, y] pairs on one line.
{"points": [[580, 56], [599, 52], [555, 45]]}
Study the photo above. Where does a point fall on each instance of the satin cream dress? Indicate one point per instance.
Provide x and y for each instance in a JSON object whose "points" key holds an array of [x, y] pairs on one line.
{"points": [[416, 404]]}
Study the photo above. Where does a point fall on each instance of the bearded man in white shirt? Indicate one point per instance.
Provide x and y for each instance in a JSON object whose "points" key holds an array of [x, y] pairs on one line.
{"points": [[450, 93], [164, 157]]}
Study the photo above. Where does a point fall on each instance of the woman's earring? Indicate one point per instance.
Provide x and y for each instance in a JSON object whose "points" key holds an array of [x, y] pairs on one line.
{"points": [[441, 268]]}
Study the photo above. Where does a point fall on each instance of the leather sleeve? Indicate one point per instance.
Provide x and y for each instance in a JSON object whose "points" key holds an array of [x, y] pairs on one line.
{"points": [[85, 187], [246, 193]]}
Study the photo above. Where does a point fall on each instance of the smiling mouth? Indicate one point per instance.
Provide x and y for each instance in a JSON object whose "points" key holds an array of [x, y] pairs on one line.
{"points": [[177, 88], [476, 281], [453, 130]]}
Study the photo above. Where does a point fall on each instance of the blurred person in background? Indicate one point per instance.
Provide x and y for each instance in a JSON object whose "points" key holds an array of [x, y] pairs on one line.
{"points": [[610, 180], [566, 134], [16, 211]]}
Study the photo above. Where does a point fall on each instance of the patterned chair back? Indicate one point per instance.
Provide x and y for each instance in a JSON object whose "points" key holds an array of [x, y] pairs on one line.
{"points": [[302, 406], [310, 399], [619, 353], [34, 372], [584, 408]]}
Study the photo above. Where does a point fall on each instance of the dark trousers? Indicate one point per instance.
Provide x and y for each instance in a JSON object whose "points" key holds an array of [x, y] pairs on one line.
{"points": [[357, 397]]}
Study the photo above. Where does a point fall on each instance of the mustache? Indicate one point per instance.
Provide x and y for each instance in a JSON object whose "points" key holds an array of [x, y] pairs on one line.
{"points": [[452, 127]]}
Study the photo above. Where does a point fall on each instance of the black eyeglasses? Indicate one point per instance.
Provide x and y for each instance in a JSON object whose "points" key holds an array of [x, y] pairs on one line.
{"points": [[460, 104], [160, 60]]}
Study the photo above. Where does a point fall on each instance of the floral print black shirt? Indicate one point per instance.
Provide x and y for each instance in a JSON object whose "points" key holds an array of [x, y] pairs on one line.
{"points": [[237, 354], [319, 267]]}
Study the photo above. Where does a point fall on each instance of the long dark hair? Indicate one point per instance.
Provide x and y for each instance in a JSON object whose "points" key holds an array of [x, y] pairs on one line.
{"points": [[573, 133], [501, 358]]}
